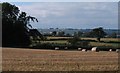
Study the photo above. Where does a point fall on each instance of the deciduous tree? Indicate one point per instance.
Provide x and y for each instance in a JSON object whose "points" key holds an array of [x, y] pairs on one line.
{"points": [[15, 26], [98, 33]]}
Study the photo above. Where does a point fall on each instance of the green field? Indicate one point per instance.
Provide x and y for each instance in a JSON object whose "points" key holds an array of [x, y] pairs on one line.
{"points": [[106, 42], [59, 42]]}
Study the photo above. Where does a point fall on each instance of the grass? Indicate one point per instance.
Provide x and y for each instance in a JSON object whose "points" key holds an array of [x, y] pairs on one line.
{"points": [[59, 42], [110, 39], [103, 44], [20, 59], [108, 42], [57, 37], [102, 39]]}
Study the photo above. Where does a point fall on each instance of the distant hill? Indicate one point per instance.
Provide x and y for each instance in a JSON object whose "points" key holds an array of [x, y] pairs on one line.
{"points": [[71, 31]]}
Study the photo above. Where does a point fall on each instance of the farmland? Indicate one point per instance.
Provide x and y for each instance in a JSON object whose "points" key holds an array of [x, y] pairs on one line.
{"points": [[69, 38], [20, 59], [105, 42]]}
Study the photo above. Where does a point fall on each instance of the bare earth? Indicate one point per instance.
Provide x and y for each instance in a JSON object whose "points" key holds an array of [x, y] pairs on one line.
{"points": [[15, 59]]}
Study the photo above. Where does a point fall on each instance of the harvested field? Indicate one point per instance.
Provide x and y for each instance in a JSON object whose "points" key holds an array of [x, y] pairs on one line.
{"points": [[15, 59]]}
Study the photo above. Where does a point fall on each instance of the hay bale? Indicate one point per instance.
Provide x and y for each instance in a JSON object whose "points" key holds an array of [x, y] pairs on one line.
{"points": [[84, 49], [66, 48], [110, 50], [117, 50], [80, 49], [95, 49], [56, 48]]}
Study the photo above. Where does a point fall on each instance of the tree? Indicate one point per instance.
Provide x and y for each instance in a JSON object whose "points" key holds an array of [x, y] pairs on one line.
{"points": [[15, 26], [75, 39], [54, 33], [68, 35], [87, 34], [98, 33], [61, 33], [113, 35], [80, 33]]}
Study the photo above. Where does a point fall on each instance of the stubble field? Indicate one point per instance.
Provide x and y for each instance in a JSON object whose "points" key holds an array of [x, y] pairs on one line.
{"points": [[17, 59]]}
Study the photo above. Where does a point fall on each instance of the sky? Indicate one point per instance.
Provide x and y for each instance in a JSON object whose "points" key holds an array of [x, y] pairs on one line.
{"points": [[78, 15], [60, 0]]}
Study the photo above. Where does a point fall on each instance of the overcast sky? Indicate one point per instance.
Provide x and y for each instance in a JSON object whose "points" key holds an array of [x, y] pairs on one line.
{"points": [[80, 15], [59, 0]]}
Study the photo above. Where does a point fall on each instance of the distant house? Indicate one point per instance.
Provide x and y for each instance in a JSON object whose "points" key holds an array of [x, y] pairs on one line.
{"points": [[35, 34]]}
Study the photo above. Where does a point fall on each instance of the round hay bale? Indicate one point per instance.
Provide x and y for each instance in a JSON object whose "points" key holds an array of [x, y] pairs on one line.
{"points": [[66, 48], [56, 48], [84, 49], [79, 49], [110, 50], [95, 49], [117, 50]]}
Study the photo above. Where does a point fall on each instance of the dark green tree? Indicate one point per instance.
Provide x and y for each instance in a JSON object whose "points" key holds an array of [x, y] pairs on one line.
{"points": [[61, 33], [54, 33], [68, 35], [98, 33], [75, 39], [87, 34], [80, 33], [15, 26], [113, 35]]}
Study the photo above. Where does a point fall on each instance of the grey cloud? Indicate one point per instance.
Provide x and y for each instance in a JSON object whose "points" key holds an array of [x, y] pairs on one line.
{"points": [[74, 13]]}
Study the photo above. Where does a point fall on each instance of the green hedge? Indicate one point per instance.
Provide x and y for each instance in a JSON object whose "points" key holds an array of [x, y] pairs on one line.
{"points": [[61, 46]]}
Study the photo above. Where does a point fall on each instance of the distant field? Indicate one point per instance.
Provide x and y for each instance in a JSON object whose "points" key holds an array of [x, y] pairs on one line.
{"points": [[108, 42], [104, 44], [60, 41], [102, 39], [57, 37], [110, 39], [18, 59]]}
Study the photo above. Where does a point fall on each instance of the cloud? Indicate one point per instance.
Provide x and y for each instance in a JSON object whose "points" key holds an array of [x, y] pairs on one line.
{"points": [[59, 0], [73, 14]]}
